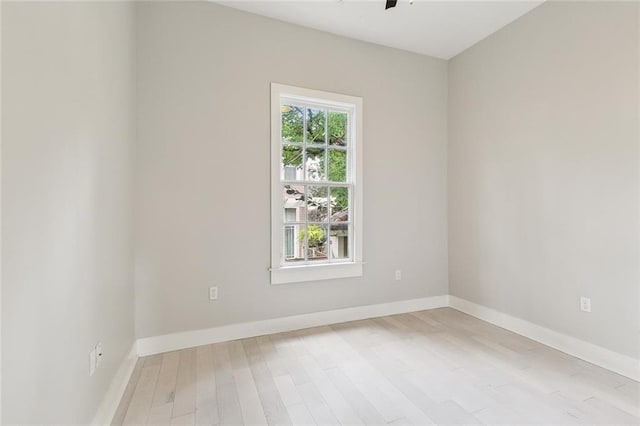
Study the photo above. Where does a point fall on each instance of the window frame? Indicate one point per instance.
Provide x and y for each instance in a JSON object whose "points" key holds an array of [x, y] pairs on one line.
{"points": [[319, 270]]}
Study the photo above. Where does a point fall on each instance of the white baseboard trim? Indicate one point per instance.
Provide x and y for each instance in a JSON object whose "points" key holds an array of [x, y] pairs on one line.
{"points": [[188, 339], [605, 358], [112, 398]]}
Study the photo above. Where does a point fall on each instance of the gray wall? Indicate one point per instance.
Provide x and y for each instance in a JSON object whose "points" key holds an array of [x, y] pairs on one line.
{"points": [[203, 157], [543, 171], [68, 127]]}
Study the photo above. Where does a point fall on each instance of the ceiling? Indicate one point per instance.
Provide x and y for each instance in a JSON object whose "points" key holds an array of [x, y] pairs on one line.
{"points": [[436, 28]]}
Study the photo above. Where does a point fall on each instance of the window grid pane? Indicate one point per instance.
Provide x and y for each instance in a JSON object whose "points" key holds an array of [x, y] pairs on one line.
{"points": [[292, 119], [339, 241], [293, 244], [316, 239], [338, 126]]}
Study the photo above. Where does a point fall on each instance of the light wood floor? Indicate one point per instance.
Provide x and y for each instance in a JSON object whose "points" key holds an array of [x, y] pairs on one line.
{"points": [[431, 367]]}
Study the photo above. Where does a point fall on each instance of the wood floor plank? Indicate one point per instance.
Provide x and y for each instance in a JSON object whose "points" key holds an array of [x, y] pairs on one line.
{"points": [[450, 412], [184, 420], [274, 409], [276, 361], [530, 403], [160, 415], [185, 399], [140, 403], [121, 411], [206, 401], [610, 413], [152, 360], [318, 407], [366, 411], [166, 386], [401, 422], [430, 367], [229, 411], [250, 403], [222, 363], [497, 414], [339, 406], [287, 389], [300, 415], [290, 351], [382, 394]]}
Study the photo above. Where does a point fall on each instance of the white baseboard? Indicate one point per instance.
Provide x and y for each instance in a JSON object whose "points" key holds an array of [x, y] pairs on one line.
{"points": [[112, 398], [605, 358], [188, 339]]}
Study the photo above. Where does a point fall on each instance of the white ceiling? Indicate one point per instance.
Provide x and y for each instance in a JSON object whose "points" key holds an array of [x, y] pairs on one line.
{"points": [[437, 28]]}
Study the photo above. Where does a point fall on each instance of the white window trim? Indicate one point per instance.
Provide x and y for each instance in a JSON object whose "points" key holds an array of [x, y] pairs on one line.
{"points": [[323, 271]]}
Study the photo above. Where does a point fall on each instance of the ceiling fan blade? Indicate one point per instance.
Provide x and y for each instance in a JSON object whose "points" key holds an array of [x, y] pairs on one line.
{"points": [[390, 4]]}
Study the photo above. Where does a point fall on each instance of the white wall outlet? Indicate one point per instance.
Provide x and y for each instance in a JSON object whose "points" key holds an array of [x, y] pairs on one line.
{"points": [[92, 362], [398, 275], [99, 354], [213, 293], [585, 304]]}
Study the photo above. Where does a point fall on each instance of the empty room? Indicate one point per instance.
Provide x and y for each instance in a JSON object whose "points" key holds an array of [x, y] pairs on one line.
{"points": [[320, 212]]}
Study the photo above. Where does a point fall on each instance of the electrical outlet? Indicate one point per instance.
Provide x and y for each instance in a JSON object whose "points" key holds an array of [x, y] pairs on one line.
{"points": [[213, 293], [99, 354], [398, 275], [92, 362], [585, 304]]}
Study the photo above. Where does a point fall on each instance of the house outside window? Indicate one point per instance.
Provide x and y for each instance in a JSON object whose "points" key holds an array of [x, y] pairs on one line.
{"points": [[316, 199]]}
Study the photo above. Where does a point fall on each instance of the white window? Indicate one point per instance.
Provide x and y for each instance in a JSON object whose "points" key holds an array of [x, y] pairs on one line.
{"points": [[316, 196]]}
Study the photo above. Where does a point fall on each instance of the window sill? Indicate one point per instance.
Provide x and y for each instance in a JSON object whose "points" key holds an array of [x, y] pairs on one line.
{"points": [[297, 274]]}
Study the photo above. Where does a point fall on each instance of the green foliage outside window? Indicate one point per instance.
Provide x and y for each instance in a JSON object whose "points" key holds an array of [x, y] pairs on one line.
{"points": [[316, 236], [337, 129], [292, 119]]}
